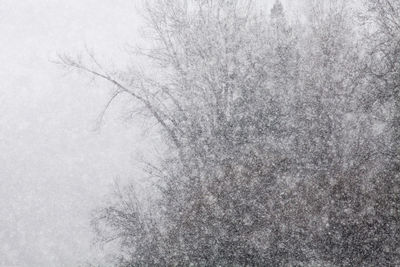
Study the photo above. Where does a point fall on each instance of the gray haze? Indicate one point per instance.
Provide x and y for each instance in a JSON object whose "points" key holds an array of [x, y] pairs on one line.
{"points": [[55, 166]]}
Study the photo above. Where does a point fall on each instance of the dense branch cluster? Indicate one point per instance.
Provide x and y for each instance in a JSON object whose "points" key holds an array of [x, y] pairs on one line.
{"points": [[283, 138]]}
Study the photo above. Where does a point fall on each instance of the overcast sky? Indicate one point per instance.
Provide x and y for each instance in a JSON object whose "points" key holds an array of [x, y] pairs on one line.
{"points": [[55, 166]]}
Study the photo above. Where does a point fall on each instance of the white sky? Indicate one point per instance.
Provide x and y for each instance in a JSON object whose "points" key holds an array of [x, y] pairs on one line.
{"points": [[54, 168]]}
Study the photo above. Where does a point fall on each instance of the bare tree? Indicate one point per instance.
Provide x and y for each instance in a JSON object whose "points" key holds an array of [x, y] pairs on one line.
{"points": [[272, 156]]}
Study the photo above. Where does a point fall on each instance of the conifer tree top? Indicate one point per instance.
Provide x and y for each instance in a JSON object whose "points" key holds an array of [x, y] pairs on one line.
{"points": [[277, 10]]}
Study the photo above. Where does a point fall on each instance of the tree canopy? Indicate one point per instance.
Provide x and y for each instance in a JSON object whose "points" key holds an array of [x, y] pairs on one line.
{"points": [[282, 137]]}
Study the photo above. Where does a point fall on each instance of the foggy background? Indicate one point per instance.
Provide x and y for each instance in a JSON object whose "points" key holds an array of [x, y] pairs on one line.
{"points": [[56, 164]]}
